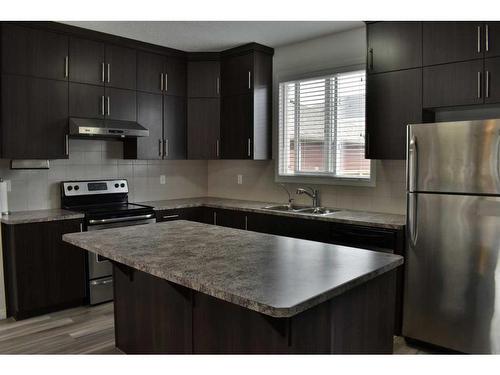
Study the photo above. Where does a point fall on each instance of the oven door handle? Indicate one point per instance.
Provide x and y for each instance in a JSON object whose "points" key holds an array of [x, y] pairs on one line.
{"points": [[121, 219]]}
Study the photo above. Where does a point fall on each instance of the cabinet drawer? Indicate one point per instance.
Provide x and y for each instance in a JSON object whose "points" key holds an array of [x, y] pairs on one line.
{"points": [[377, 239], [189, 213]]}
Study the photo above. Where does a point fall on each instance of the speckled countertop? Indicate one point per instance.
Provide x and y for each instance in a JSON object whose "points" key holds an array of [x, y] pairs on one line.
{"points": [[36, 216], [274, 275], [373, 219]]}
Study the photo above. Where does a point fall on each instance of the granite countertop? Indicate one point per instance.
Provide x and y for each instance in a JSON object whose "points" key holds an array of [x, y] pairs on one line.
{"points": [[36, 216], [274, 275], [372, 219]]}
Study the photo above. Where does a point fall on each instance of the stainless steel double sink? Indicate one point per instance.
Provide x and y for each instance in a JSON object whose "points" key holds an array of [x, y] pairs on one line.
{"points": [[319, 211]]}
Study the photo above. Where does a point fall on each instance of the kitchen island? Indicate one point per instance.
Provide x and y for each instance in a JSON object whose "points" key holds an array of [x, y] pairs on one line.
{"points": [[186, 287]]}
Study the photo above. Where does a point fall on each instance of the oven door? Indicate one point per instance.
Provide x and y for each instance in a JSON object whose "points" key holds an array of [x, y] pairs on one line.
{"points": [[98, 266]]}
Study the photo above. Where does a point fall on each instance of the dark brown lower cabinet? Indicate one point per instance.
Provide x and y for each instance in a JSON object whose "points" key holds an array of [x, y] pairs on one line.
{"points": [[42, 273], [453, 84], [364, 237], [153, 315], [189, 213]]}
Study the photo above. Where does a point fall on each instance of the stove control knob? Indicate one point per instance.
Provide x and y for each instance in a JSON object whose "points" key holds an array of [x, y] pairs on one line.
{"points": [[70, 188], [122, 185], [116, 185], [77, 187]]}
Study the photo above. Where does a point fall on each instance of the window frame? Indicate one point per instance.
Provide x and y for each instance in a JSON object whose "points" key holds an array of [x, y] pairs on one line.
{"points": [[313, 177]]}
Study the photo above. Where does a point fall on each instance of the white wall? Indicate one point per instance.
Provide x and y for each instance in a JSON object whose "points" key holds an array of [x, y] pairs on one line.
{"points": [[337, 50], [94, 159]]}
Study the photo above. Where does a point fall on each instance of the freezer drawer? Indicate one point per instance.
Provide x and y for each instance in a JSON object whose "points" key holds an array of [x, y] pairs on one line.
{"points": [[454, 157], [452, 281]]}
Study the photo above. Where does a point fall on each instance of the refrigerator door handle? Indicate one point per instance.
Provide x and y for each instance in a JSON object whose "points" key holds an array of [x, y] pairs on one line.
{"points": [[413, 164], [412, 218]]}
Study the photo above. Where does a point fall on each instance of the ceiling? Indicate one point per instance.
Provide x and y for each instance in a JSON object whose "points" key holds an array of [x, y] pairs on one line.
{"points": [[208, 36]]}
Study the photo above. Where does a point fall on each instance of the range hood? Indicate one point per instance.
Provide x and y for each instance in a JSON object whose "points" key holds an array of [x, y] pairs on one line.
{"points": [[84, 127]]}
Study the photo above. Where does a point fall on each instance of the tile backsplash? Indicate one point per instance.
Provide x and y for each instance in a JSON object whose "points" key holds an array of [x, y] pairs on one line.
{"points": [[95, 159]]}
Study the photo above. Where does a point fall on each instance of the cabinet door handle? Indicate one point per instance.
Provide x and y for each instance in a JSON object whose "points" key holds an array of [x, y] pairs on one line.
{"points": [[217, 148], [370, 60], [215, 218], [478, 84], [249, 146], [487, 36], [170, 216], [108, 105], [487, 82], [66, 67], [66, 144], [81, 227], [161, 82], [218, 85], [246, 222], [160, 148], [478, 39], [249, 79], [166, 82], [102, 105], [102, 73], [109, 72]]}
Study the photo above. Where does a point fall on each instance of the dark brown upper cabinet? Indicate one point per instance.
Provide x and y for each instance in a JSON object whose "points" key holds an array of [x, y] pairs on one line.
{"points": [[453, 84], [120, 104], [121, 67], [492, 39], [446, 42], [86, 61], [149, 115], [175, 77], [238, 74], [394, 100], [236, 127], [174, 127], [89, 101], [150, 72], [203, 116], [203, 79], [34, 118], [161, 75], [203, 121], [95, 63], [246, 74], [394, 46], [35, 53], [492, 80]]}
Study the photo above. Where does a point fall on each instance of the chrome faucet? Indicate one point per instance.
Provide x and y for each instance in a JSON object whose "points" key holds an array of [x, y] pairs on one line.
{"points": [[313, 193], [290, 199]]}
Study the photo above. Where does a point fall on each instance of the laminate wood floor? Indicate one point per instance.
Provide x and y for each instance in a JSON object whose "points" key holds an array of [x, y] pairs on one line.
{"points": [[86, 330]]}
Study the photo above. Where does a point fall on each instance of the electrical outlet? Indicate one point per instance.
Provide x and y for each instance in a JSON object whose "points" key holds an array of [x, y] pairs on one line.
{"points": [[163, 179], [240, 179]]}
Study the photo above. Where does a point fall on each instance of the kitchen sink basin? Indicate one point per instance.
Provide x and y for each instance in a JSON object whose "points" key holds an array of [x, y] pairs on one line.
{"points": [[279, 207], [320, 211]]}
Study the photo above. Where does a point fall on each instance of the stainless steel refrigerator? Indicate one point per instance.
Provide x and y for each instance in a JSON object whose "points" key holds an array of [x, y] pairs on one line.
{"points": [[452, 281]]}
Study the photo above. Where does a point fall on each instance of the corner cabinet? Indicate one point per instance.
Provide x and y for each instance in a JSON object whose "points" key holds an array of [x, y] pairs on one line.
{"points": [[42, 273], [246, 102]]}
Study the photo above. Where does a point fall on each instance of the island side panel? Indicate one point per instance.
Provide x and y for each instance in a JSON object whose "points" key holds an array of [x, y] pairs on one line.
{"points": [[152, 315], [156, 316]]}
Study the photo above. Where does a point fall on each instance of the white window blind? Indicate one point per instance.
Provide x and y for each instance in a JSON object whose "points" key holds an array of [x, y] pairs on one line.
{"points": [[322, 126]]}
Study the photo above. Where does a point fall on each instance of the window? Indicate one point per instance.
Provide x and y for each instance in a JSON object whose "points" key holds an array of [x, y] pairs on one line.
{"points": [[322, 127]]}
